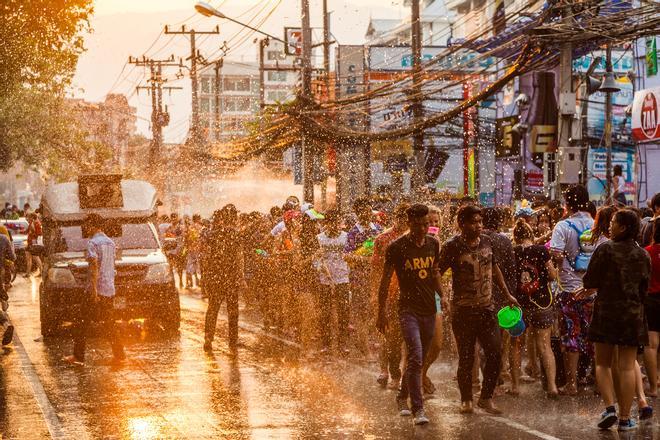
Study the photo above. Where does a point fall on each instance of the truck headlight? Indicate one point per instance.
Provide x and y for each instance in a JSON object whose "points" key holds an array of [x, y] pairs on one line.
{"points": [[61, 276], [159, 273]]}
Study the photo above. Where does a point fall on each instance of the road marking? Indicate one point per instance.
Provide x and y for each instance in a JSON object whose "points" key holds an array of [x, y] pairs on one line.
{"points": [[523, 428], [50, 416], [257, 330]]}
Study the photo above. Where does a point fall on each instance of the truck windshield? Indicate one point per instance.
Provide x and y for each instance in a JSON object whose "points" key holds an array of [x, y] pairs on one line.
{"points": [[133, 236]]}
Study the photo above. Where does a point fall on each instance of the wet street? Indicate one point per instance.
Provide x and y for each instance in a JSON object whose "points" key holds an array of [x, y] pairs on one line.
{"points": [[169, 388]]}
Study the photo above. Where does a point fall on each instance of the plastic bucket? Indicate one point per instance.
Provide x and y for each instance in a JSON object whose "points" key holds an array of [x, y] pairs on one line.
{"points": [[517, 330], [508, 317]]}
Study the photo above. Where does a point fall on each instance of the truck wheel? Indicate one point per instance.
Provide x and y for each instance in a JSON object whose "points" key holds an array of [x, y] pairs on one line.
{"points": [[49, 325], [170, 318]]}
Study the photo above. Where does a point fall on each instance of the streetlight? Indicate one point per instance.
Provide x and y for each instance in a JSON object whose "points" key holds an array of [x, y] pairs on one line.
{"points": [[209, 11]]}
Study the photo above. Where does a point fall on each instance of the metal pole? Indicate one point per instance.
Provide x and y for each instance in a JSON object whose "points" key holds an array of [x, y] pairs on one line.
{"points": [[417, 103], [326, 68], [554, 161], [154, 117], [608, 129], [193, 80], [216, 87], [159, 112], [262, 85], [306, 77]]}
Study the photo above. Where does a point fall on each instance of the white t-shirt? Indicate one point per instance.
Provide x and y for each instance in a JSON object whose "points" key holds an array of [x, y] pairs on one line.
{"points": [[565, 239], [332, 249], [278, 229]]}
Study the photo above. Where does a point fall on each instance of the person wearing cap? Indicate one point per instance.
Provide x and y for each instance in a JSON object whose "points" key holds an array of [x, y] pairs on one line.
{"points": [[98, 301]]}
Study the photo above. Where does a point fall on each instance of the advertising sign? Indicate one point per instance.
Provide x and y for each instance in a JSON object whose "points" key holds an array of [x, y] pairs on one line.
{"points": [[397, 58], [622, 62], [646, 115], [508, 141], [596, 112], [293, 39], [597, 171], [651, 56], [394, 111]]}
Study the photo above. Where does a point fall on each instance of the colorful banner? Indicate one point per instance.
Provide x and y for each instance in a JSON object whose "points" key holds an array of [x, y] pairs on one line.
{"points": [[646, 115], [597, 170], [508, 141], [651, 56], [621, 130]]}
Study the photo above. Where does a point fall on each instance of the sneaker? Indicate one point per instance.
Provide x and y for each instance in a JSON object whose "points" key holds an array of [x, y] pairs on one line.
{"points": [[8, 336], [382, 380], [627, 425], [607, 419], [645, 413], [420, 418], [404, 409]]}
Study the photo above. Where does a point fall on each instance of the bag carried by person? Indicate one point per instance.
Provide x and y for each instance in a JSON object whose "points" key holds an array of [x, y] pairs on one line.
{"points": [[585, 249]]}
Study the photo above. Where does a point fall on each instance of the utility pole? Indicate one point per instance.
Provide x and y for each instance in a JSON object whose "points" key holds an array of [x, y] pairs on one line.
{"points": [[607, 133], [263, 43], [217, 67], [194, 57], [326, 68], [159, 118], [306, 80], [556, 161], [417, 103]]}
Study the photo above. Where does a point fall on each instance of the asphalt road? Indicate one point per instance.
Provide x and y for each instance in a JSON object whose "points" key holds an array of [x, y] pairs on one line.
{"points": [[169, 388]]}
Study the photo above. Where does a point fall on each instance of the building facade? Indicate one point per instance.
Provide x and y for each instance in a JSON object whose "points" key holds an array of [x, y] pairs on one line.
{"points": [[111, 123], [229, 101]]}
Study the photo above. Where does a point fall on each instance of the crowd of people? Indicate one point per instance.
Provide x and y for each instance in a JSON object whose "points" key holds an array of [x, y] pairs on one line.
{"points": [[406, 282]]}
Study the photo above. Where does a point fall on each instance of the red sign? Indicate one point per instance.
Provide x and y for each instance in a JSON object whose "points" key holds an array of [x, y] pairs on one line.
{"points": [[293, 39], [646, 115]]}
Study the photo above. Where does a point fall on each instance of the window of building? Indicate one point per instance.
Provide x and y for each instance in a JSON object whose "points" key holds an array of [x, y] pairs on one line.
{"points": [[205, 105], [206, 85], [237, 84], [236, 104], [277, 76], [278, 95], [275, 55]]}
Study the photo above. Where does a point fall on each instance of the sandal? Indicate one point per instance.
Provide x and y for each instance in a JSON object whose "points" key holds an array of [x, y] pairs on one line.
{"points": [[512, 393]]}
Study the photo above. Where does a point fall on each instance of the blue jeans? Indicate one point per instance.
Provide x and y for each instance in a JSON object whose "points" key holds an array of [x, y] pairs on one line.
{"points": [[417, 332]]}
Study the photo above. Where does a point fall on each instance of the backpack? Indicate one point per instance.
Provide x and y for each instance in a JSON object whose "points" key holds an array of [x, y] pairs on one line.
{"points": [[530, 282], [585, 249], [646, 233]]}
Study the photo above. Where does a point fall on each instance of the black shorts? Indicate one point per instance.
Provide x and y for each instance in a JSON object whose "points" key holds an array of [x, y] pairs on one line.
{"points": [[652, 311]]}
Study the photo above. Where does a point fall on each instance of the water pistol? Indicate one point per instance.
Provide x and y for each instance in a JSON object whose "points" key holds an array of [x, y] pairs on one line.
{"points": [[367, 248]]}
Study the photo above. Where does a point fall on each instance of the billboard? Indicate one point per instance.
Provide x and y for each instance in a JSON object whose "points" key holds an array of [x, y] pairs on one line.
{"points": [[597, 170], [646, 115], [399, 58], [621, 130]]}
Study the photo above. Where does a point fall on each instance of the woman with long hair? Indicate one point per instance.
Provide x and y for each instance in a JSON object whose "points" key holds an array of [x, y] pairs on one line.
{"points": [[619, 273], [534, 272]]}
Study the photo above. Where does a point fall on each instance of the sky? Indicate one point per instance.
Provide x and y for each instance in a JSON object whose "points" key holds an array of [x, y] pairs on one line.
{"points": [[128, 27]]}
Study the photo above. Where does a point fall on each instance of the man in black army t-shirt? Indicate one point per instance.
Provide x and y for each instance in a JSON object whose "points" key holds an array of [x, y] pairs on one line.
{"points": [[414, 257]]}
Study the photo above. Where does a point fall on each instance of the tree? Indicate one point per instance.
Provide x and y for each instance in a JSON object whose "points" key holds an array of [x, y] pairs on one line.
{"points": [[40, 42]]}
